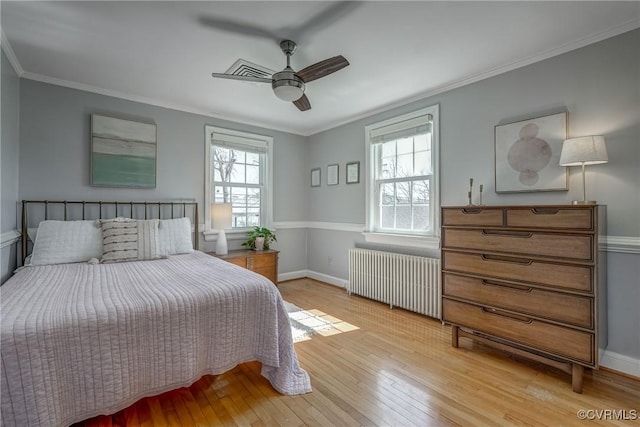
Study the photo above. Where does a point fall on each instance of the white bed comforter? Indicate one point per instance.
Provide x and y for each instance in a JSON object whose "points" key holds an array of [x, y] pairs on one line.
{"points": [[79, 340]]}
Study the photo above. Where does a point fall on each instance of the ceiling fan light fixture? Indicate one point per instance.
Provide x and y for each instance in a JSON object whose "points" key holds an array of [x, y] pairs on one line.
{"points": [[288, 90], [287, 84]]}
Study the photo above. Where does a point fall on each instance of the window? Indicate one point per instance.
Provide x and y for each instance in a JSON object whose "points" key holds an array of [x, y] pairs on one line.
{"points": [[238, 172], [403, 179]]}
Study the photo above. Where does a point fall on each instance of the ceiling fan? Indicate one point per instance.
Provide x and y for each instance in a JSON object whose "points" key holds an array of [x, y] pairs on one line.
{"points": [[289, 85]]}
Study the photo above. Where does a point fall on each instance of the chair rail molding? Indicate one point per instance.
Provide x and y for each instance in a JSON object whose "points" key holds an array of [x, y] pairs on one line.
{"points": [[9, 238], [621, 244]]}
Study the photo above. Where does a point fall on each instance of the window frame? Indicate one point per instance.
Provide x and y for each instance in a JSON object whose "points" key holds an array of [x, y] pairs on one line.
{"points": [[252, 141], [373, 234]]}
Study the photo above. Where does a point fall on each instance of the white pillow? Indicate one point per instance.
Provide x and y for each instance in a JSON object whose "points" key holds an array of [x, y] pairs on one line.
{"points": [[129, 240], [174, 236], [60, 242]]}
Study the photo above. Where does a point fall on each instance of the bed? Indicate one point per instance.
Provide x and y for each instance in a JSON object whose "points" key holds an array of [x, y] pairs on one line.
{"points": [[80, 339]]}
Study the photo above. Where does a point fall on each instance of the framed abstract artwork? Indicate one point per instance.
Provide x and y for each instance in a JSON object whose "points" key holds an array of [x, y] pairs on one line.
{"points": [[527, 155], [123, 153]]}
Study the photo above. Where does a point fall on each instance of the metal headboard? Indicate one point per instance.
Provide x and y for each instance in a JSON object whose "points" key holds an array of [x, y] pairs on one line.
{"points": [[67, 210]]}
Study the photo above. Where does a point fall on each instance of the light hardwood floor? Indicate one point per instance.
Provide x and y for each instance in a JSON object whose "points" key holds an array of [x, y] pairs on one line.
{"points": [[391, 368]]}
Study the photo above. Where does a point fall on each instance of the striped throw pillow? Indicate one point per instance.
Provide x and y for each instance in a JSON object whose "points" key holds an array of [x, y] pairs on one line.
{"points": [[129, 240]]}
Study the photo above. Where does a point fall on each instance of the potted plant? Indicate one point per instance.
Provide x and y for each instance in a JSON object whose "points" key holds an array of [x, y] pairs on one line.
{"points": [[259, 238]]}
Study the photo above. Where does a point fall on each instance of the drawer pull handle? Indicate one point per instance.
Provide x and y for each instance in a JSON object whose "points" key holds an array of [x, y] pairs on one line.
{"points": [[519, 288], [523, 234], [507, 260], [545, 211], [514, 317], [471, 210]]}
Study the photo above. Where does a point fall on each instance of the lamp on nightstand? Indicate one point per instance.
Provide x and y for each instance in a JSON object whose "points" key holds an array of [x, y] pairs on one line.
{"points": [[221, 219], [585, 150]]}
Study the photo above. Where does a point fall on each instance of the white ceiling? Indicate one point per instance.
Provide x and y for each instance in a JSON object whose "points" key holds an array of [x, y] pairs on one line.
{"points": [[163, 53]]}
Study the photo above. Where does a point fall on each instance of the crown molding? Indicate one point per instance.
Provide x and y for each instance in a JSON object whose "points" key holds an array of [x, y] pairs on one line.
{"points": [[150, 101], [546, 54], [13, 59]]}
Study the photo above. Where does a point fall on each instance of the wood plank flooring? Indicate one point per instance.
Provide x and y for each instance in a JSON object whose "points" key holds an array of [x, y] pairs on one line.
{"points": [[389, 368]]}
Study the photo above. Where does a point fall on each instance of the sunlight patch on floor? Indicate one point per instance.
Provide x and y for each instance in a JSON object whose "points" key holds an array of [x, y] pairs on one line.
{"points": [[307, 323]]}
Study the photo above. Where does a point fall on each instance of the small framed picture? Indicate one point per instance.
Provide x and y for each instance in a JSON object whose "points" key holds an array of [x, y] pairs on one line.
{"points": [[353, 172], [332, 175], [315, 177]]}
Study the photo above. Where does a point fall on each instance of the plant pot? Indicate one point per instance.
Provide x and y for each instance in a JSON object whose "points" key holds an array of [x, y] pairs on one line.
{"points": [[259, 243]]}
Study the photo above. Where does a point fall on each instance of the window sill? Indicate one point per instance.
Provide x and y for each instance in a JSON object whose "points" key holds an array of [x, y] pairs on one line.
{"points": [[212, 236], [413, 241]]}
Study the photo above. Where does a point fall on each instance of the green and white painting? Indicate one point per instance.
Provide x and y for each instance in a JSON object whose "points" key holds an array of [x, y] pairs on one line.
{"points": [[123, 153]]}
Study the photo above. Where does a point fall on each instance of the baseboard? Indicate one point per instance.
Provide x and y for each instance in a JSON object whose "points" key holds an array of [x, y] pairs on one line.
{"points": [[621, 363], [300, 274], [332, 280]]}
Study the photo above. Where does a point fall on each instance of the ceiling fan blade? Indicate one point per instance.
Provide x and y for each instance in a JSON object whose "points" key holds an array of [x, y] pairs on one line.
{"points": [[322, 68], [245, 78], [303, 103], [331, 14], [238, 27]]}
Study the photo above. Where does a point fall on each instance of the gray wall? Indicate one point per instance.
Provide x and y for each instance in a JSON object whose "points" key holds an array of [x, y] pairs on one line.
{"points": [[55, 157], [599, 85], [10, 90]]}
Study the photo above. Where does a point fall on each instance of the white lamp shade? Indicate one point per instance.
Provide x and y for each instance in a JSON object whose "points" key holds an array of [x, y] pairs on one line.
{"points": [[588, 150], [221, 216]]}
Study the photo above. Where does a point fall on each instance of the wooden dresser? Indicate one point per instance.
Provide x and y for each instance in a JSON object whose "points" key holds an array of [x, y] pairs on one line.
{"points": [[527, 279], [262, 262]]}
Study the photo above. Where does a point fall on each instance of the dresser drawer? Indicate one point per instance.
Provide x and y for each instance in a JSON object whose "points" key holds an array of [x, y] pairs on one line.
{"points": [[551, 217], [572, 309], [575, 277], [473, 216], [520, 242], [262, 260], [242, 262], [575, 344]]}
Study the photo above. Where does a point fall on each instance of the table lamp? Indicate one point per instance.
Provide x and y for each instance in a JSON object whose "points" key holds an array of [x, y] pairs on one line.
{"points": [[221, 219], [582, 151]]}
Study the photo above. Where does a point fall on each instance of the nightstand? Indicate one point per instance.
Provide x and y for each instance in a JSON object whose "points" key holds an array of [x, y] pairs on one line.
{"points": [[262, 262]]}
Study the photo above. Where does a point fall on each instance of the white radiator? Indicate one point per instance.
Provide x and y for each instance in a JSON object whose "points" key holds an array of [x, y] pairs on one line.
{"points": [[406, 281]]}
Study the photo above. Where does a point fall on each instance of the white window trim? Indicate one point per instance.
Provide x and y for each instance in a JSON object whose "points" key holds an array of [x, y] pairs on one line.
{"points": [[371, 235], [238, 234]]}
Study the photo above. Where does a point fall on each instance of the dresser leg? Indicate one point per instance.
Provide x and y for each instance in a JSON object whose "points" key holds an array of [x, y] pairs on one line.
{"points": [[454, 336], [577, 373]]}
